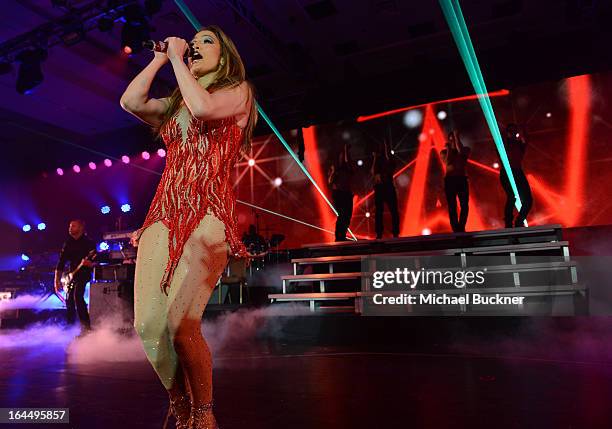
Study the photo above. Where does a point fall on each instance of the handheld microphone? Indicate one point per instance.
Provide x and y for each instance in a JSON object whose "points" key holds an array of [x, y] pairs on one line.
{"points": [[157, 46]]}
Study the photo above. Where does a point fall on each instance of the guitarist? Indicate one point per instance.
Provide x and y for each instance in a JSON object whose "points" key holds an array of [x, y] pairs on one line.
{"points": [[75, 250]]}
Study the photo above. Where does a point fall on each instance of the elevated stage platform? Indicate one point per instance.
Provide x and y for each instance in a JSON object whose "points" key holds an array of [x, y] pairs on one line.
{"points": [[533, 262]]}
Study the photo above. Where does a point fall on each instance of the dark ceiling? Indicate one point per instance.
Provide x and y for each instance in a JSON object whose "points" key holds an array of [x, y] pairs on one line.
{"points": [[312, 61]]}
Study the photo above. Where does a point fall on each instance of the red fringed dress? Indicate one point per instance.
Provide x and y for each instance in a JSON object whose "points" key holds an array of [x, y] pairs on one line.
{"points": [[195, 181]]}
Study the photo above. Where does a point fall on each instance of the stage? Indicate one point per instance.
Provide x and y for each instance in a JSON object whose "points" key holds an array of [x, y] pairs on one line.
{"points": [[280, 364], [339, 371]]}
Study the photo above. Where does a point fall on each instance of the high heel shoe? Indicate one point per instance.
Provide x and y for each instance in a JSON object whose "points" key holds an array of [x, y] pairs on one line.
{"points": [[203, 417], [180, 407]]}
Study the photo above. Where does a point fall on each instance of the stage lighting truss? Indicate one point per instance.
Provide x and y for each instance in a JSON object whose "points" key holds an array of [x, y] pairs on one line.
{"points": [[70, 29]]}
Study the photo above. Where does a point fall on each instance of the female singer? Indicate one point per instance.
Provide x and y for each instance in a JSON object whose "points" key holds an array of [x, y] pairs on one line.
{"points": [[191, 225]]}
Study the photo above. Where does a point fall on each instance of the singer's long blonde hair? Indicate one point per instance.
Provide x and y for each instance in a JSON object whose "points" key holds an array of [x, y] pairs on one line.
{"points": [[231, 73]]}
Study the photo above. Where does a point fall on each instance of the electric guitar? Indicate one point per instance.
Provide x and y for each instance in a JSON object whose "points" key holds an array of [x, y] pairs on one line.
{"points": [[67, 279]]}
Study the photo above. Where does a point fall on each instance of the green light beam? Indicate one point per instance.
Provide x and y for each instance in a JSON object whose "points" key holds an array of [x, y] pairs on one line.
{"points": [[456, 22]]}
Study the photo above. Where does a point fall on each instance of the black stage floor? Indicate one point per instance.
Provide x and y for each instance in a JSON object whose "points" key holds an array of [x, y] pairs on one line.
{"points": [[284, 372]]}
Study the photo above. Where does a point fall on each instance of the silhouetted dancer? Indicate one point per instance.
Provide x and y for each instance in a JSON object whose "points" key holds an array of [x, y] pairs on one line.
{"points": [[340, 180], [516, 146], [455, 156], [382, 171]]}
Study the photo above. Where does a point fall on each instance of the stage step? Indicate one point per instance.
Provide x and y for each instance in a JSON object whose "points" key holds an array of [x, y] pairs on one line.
{"points": [[516, 269], [505, 236], [313, 298], [578, 291], [562, 246], [321, 278]]}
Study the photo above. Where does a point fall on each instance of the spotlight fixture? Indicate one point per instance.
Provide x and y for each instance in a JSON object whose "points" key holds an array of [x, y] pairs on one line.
{"points": [[60, 171], [277, 181], [360, 162], [125, 159], [146, 155], [92, 165], [136, 29], [426, 231], [26, 228], [30, 72], [76, 168], [368, 214], [103, 246], [251, 162], [105, 209], [41, 226], [73, 32], [126, 208], [25, 257], [161, 152], [441, 115], [108, 162]]}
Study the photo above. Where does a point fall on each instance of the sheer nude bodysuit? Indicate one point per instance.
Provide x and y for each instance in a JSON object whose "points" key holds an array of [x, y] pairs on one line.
{"points": [[183, 248]]}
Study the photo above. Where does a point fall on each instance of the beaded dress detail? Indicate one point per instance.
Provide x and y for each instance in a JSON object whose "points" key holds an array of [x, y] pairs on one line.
{"points": [[196, 181]]}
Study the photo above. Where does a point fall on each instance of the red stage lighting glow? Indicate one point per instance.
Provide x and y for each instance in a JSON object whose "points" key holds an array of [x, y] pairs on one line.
{"points": [[494, 169], [499, 93], [579, 103], [251, 162], [554, 201], [127, 50], [311, 158]]}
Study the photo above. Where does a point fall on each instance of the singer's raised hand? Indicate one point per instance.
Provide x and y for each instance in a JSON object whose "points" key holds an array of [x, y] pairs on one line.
{"points": [[176, 48]]}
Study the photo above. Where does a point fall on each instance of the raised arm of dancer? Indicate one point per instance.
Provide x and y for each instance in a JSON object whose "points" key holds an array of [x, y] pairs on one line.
{"points": [[465, 150], [332, 174], [457, 141], [203, 105], [135, 99]]}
